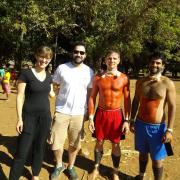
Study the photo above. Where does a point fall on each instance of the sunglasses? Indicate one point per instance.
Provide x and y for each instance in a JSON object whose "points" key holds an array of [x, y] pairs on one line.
{"points": [[77, 52]]}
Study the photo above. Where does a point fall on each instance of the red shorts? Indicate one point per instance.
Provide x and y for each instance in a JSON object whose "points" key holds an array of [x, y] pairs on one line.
{"points": [[108, 124]]}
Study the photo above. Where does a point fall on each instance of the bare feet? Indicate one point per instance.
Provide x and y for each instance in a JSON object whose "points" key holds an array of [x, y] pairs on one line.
{"points": [[94, 174]]}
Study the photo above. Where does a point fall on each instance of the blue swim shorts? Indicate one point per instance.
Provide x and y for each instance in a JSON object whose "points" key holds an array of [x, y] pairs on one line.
{"points": [[148, 139]]}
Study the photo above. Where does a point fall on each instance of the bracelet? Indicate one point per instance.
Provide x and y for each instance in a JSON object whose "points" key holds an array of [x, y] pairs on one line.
{"points": [[169, 130], [126, 120], [91, 117]]}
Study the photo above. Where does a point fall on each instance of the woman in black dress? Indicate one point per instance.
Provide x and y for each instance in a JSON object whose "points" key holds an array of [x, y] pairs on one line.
{"points": [[33, 110]]}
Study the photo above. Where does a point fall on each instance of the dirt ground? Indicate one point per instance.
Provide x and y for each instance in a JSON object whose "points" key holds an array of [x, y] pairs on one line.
{"points": [[84, 164]]}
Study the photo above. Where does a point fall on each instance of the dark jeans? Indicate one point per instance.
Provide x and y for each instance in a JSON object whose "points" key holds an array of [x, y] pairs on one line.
{"points": [[34, 135]]}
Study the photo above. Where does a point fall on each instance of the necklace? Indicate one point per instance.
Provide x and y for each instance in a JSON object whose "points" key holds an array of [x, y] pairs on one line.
{"points": [[113, 73]]}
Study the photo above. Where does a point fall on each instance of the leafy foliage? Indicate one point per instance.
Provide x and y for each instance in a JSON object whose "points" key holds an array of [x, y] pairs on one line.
{"points": [[136, 27]]}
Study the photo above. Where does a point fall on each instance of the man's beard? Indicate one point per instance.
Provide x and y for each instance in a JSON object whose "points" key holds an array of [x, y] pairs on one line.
{"points": [[77, 61], [155, 71]]}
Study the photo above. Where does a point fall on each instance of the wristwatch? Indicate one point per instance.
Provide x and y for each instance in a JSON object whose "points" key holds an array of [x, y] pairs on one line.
{"points": [[169, 130], [126, 120]]}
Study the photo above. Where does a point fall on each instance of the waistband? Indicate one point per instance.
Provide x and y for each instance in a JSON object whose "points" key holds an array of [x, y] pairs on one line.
{"points": [[152, 124], [117, 109]]}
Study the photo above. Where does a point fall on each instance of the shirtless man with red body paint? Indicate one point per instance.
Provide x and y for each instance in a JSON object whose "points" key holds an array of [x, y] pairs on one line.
{"points": [[152, 93], [112, 86]]}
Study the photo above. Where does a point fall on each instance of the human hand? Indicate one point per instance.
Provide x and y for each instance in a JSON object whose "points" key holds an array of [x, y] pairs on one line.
{"points": [[91, 126], [19, 126], [167, 137], [125, 127], [132, 126], [52, 94]]}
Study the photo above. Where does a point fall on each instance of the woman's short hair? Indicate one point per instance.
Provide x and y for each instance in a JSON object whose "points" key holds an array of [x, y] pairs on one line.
{"points": [[44, 51]]}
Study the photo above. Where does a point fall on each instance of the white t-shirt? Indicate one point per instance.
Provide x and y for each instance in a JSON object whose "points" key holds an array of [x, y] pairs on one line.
{"points": [[74, 82]]}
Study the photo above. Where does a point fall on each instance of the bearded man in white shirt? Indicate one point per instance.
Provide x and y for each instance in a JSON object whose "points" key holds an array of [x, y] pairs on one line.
{"points": [[75, 81]]}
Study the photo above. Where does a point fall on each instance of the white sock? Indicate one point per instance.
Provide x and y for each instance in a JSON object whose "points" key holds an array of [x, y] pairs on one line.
{"points": [[70, 167], [59, 165]]}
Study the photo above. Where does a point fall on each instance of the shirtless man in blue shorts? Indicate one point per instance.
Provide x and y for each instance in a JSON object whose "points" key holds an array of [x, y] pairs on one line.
{"points": [[152, 93]]}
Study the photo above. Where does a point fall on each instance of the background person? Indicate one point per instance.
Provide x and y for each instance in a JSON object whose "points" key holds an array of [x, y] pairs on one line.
{"points": [[2, 72], [6, 82], [33, 110]]}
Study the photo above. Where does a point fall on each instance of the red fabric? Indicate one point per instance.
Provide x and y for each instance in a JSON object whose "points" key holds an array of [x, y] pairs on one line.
{"points": [[108, 125]]}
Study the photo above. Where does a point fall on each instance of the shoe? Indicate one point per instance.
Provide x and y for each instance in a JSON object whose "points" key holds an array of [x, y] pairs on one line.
{"points": [[57, 171], [137, 177], [72, 173]]}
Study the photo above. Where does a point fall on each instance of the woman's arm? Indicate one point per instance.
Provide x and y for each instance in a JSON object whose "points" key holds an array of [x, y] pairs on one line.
{"points": [[19, 105], [52, 93]]}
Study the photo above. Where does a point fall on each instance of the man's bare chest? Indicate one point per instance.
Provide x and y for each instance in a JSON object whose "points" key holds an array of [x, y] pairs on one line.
{"points": [[153, 90], [113, 84]]}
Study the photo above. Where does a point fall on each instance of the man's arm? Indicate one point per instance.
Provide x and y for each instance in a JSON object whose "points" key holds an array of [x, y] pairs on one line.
{"points": [[127, 100], [171, 101], [135, 102], [127, 106], [92, 97], [92, 104], [135, 106]]}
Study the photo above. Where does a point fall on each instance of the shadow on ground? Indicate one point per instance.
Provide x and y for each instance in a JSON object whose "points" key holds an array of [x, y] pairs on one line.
{"points": [[10, 142], [83, 163]]}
